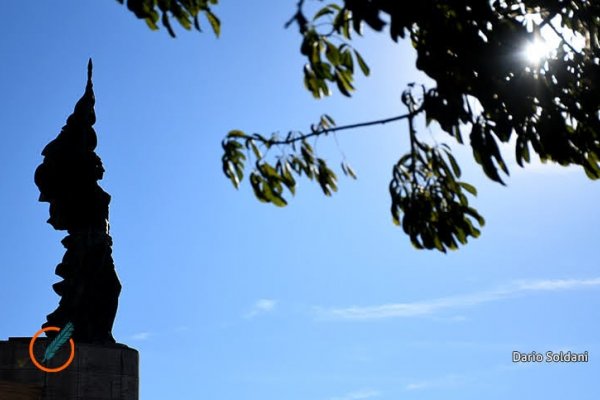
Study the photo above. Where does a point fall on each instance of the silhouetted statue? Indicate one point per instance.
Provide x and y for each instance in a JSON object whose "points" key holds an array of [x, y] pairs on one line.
{"points": [[68, 180]]}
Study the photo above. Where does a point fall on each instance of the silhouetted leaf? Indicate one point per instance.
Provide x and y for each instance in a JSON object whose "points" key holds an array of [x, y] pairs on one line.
{"points": [[184, 11], [469, 188], [236, 133], [362, 64], [214, 22]]}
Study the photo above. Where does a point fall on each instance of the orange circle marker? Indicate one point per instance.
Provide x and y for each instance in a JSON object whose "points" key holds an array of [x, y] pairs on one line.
{"points": [[40, 366]]}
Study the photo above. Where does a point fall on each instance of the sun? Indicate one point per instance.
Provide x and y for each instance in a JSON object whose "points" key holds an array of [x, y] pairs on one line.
{"points": [[548, 39], [538, 50]]}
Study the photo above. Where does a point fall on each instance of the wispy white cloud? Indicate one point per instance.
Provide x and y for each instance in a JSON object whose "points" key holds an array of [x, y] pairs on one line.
{"points": [[429, 307], [359, 395], [261, 306], [557, 284], [141, 336]]}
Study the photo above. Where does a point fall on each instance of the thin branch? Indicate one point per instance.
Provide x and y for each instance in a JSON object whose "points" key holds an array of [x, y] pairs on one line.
{"points": [[298, 17], [560, 35], [413, 149], [547, 19], [342, 128]]}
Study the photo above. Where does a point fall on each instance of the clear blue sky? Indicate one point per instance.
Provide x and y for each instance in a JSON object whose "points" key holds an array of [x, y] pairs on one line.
{"points": [[228, 298]]}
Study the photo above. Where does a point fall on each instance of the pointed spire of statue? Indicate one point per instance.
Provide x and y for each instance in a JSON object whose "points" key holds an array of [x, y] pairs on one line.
{"points": [[84, 114]]}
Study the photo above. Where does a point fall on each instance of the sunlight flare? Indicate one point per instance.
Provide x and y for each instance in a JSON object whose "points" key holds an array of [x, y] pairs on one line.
{"points": [[538, 50]]}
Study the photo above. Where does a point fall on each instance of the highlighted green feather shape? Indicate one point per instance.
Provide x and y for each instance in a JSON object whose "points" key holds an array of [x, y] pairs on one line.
{"points": [[63, 337]]}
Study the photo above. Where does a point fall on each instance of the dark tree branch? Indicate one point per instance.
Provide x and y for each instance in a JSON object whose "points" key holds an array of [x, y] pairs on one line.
{"points": [[413, 149], [342, 128], [298, 17]]}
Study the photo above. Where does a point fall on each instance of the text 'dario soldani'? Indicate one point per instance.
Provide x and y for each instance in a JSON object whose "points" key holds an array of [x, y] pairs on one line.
{"points": [[550, 357]]}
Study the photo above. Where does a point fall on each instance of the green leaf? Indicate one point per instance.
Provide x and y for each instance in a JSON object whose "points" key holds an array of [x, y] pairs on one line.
{"points": [[346, 60], [315, 52], [239, 169], [454, 164], [307, 152], [151, 22], [257, 182], [236, 133], [591, 174], [326, 177], [468, 187], [231, 174], [255, 150], [214, 22], [460, 235], [332, 53], [351, 172], [184, 21], [455, 131], [438, 244], [323, 11], [342, 83], [362, 64], [167, 24], [324, 122], [346, 24], [268, 171], [272, 195], [288, 178], [485, 150]]}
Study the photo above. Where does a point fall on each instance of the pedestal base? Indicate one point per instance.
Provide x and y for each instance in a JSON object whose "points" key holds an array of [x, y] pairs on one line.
{"points": [[98, 372]]}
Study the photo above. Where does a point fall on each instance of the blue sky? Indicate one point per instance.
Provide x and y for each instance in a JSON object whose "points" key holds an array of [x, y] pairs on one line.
{"points": [[229, 298]]}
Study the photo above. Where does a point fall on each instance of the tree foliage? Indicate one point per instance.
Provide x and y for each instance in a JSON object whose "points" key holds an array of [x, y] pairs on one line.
{"points": [[186, 12], [484, 87]]}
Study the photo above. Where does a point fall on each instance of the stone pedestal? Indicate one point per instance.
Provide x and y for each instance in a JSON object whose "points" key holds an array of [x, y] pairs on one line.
{"points": [[98, 372]]}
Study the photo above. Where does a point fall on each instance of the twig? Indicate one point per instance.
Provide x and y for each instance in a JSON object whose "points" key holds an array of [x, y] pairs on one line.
{"points": [[560, 35], [341, 128], [298, 16]]}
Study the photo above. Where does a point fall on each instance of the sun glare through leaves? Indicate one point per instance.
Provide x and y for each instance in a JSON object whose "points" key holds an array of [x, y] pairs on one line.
{"points": [[549, 36]]}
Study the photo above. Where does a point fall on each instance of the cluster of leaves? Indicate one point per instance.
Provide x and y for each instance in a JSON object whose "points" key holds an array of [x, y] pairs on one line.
{"points": [[186, 12], [428, 200], [328, 62], [272, 175]]}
